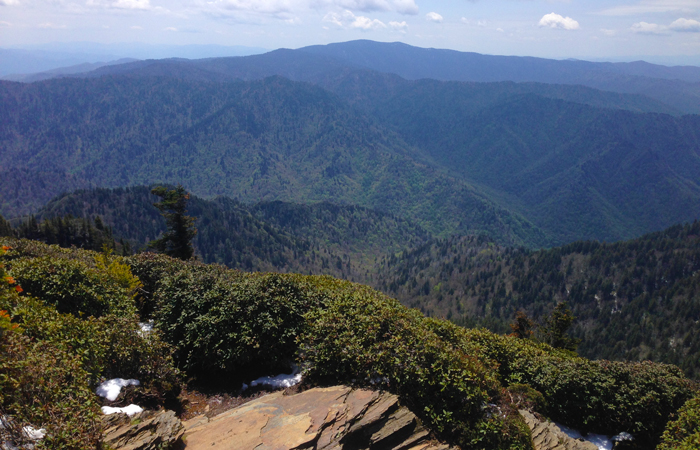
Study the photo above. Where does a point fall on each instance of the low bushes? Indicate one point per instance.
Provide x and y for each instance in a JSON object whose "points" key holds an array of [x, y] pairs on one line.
{"points": [[235, 325], [79, 282], [683, 433], [601, 396], [225, 323], [51, 362], [229, 322], [364, 338]]}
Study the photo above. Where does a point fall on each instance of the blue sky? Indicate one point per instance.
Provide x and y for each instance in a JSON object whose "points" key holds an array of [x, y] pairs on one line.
{"points": [[664, 30]]}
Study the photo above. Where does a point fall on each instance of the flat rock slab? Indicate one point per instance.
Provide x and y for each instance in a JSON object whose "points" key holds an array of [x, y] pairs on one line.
{"points": [[548, 436], [149, 430], [336, 418]]}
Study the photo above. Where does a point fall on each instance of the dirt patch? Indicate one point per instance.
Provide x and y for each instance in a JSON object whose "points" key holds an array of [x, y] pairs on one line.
{"points": [[195, 403]]}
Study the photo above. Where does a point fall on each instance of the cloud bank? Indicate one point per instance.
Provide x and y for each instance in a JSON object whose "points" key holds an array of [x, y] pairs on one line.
{"points": [[348, 20], [687, 25], [553, 20], [434, 17]]}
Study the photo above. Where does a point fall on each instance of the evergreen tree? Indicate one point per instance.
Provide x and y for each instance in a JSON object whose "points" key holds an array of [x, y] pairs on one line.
{"points": [[522, 326], [5, 228], [554, 331], [177, 241]]}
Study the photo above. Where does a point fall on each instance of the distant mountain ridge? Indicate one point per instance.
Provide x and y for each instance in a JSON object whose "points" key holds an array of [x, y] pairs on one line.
{"points": [[676, 87]]}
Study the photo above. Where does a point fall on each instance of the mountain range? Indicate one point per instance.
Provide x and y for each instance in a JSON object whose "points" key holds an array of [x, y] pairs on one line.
{"points": [[528, 163]]}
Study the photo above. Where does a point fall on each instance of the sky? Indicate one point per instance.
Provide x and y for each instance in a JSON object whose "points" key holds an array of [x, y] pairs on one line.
{"points": [[666, 31]]}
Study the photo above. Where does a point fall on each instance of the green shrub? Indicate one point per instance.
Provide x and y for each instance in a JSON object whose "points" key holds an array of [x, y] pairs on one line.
{"points": [[108, 347], [601, 396], [43, 386], [364, 338], [94, 348], [683, 433], [226, 322], [229, 322], [525, 397], [74, 281]]}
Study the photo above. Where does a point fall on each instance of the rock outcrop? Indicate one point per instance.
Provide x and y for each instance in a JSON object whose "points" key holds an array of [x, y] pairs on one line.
{"points": [[323, 418], [149, 430], [548, 436]]}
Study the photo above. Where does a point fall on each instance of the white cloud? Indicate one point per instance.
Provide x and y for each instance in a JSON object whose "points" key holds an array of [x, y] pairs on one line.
{"points": [[553, 20], [5, 24], [51, 26], [399, 6], [132, 4], [136, 27], [273, 7], [9, 2], [434, 17], [348, 20], [608, 32], [169, 29], [120, 4], [686, 25], [651, 7], [648, 28], [399, 26]]}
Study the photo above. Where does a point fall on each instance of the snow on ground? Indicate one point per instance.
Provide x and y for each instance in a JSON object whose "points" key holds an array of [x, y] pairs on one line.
{"points": [[110, 389], [146, 328], [33, 434], [29, 432], [277, 382], [601, 441], [128, 410]]}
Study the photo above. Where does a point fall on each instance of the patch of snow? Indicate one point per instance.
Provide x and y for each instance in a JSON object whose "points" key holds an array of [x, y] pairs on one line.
{"points": [[622, 437], [599, 440], [28, 431], [128, 410], [110, 389], [277, 382], [33, 434], [146, 328]]}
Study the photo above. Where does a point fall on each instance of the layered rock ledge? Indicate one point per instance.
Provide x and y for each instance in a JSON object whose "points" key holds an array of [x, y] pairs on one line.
{"points": [[337, 418]]}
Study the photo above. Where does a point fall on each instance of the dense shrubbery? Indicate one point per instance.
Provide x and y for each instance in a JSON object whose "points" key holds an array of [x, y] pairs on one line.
{"points": [[51, 362], [600, 396], [364, 338], [223, 321], [79, 282], [684, 432], [237, 325]]}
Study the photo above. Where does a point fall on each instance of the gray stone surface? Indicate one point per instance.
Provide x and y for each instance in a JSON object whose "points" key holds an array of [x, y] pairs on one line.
{"points": [[332, 418], [548, 436], [149, 430]]}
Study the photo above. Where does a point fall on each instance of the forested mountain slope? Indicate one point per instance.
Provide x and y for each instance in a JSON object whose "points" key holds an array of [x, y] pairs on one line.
{"points": [[576, 171], [526, 163], [322, 238], [633, 300], [265, 140]]}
